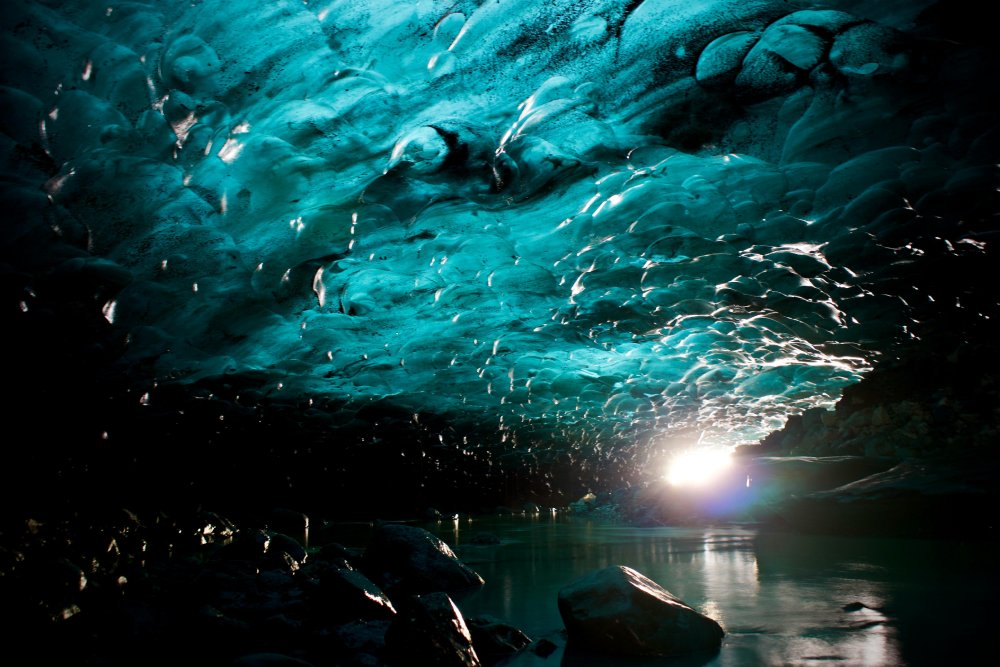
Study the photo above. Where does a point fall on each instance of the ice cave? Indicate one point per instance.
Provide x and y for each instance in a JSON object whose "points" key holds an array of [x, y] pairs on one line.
{"points": [[579, 333]]}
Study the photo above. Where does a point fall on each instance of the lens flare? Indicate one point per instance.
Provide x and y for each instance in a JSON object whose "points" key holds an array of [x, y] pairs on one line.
{"points": [[696, 467]]}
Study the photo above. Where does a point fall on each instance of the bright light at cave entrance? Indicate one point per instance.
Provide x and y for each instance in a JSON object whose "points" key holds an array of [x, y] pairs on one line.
{"points": [[695, 467]]}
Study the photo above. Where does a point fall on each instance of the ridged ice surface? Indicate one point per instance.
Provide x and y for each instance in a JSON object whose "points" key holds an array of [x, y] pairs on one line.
{"points": [[582, 223]]}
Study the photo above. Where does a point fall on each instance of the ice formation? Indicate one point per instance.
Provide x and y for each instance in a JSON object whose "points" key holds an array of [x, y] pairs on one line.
{"points": [[589, 230]]}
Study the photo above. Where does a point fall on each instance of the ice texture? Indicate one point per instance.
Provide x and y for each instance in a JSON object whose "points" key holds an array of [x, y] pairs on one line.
{"points": [[590, 227]]}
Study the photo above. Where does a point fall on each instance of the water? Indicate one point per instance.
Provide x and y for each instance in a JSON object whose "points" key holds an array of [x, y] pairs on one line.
{"points": [[783, 599]]}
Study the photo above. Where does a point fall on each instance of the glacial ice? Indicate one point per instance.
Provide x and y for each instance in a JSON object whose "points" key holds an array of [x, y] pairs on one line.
{"points": [[596, 226]]}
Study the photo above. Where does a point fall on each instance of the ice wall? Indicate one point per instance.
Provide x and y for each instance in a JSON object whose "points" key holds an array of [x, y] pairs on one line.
{"points": [[599, 228]]}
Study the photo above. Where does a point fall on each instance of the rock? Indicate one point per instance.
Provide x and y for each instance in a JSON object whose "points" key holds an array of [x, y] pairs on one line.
{"points": [[361, 644], [278, 561], [227, 576], [338, 555], [622, 612], [547, 651], [288, 522], [213, 527], [543, 648], [407, 559], [495, 640], [248, 546], [431, 627], [283, 543], [348, 595]]}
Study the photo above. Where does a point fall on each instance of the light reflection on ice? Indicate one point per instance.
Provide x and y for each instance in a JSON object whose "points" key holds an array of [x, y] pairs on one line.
{"points": [[721, 282]]}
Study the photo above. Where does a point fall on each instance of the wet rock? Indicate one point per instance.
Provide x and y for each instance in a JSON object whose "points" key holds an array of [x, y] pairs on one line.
{"points": [[619, 611], [361, 644], [280, 543], [248, 546], [543, 648], [289, 522], [432, 627], [51, 589], [551, 650], [495, 640], [339, 555], [231, 577], [212, 527], [278, 561], [324, 532], [407, 559], [345, 595]]}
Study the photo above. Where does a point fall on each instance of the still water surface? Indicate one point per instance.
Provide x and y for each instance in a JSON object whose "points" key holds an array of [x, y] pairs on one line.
{"points": [[783, 598]]}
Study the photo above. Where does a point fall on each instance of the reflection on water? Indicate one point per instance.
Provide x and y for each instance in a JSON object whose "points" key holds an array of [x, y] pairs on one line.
{"points": [[783, 599]]}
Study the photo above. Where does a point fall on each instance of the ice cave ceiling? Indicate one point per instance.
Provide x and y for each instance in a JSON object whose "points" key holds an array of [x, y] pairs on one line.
{"points": [[589, 227]]}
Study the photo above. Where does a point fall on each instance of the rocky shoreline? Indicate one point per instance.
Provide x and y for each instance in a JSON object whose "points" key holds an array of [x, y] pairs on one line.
{"points": [[200, 589]]}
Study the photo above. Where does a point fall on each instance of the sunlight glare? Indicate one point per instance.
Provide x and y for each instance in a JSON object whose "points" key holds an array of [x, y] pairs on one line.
{"points": [[695, 467]]}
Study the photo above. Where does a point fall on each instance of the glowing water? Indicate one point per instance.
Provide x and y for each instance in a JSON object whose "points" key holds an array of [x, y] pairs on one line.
{"points": [[782, 598]]}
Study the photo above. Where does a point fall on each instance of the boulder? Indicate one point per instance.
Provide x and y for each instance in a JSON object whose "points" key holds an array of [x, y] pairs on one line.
{"points": [[551, 650], [290, 522], [620, 611], [338, 555], [407, 559], [280, 543], [432, 628], [360, 644], [495, 640], [347, 595]]}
